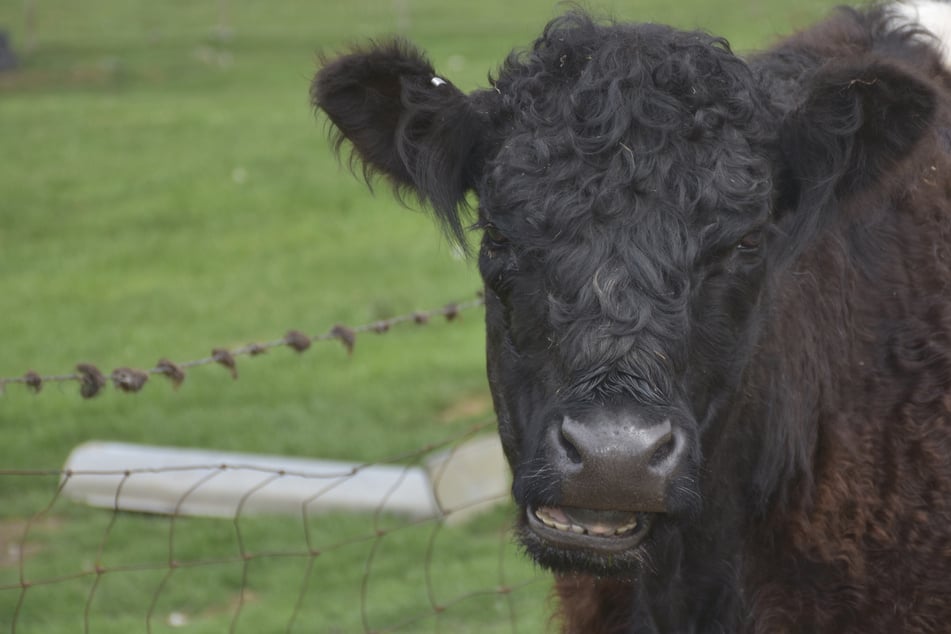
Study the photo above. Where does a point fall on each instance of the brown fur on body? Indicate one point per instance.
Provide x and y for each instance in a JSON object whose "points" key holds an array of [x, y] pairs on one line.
{"points": [[865, 547], [590, 604], [864, 543]]}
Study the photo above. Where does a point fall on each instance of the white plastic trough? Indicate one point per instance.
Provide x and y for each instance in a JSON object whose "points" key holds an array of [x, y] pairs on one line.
{"points": [[174, 481]]}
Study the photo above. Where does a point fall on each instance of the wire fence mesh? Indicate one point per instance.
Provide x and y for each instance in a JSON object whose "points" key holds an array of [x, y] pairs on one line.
{"points": [[317, 569], [432, 606]]}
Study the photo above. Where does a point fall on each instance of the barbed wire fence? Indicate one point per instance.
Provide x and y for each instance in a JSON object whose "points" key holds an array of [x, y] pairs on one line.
{"points": [[92, 380], [435, 606]]}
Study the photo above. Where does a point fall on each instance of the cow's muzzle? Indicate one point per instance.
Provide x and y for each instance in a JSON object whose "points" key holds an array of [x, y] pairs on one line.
{"points": [[615, 471]]}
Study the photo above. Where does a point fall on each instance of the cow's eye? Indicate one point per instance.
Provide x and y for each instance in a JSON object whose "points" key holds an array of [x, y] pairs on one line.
{"points": [[751, 241], [493, 235]]}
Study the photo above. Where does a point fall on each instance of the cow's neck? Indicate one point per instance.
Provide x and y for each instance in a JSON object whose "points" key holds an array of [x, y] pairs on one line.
{"points": [[834, 414]]}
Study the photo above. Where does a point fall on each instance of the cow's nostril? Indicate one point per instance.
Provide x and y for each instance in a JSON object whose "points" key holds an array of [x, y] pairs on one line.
{"points": [[570, 450], [663, 451]]}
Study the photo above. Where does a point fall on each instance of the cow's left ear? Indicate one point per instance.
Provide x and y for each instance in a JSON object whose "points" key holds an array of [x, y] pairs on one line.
{"points": [[406, 123], [856, 122]]}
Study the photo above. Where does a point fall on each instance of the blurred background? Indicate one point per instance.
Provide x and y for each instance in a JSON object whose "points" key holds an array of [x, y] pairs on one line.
{"points": [[166, 189]]}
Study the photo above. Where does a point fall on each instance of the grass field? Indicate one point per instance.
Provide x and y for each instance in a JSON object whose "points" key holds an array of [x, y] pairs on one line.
{"points": [[165, 190]]}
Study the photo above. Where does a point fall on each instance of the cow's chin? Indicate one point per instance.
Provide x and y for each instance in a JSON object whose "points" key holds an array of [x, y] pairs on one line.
{"points": [[571, 539]]}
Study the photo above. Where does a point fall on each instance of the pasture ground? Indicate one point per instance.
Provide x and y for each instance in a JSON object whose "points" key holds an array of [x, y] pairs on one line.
{"points": [[166, 189]]}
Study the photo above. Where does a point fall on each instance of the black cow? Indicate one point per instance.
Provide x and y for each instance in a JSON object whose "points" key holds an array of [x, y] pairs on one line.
{"points": [[718, 303]]}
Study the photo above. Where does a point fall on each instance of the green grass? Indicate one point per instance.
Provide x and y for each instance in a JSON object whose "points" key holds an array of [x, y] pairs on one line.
{"points": [[166, 190]]}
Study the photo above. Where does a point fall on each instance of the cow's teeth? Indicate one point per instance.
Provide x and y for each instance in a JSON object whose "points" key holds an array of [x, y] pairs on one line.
{"points": [[547, 517]]}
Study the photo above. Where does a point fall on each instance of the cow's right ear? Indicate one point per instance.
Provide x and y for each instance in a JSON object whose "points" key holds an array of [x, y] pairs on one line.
{"points": [[855, 126], [406, 123]]}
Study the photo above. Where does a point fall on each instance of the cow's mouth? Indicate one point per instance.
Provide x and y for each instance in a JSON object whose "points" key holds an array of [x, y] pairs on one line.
{"points": [[589, 529]]}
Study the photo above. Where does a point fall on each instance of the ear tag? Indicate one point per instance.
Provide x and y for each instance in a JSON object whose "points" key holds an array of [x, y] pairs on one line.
{"points": [[437, 82]]}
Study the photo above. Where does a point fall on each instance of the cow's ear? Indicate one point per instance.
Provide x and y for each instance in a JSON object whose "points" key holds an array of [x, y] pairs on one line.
{"points": [[406, 123], [856, 124]]}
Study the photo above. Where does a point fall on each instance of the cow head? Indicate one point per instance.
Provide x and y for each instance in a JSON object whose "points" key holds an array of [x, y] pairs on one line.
{"points": [[638, 187]]}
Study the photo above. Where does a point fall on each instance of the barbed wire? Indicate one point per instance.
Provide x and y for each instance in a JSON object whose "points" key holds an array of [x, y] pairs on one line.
{"points": [[130, 380], [433, 605]]}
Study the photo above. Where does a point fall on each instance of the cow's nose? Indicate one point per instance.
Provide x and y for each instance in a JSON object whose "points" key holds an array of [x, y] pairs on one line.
{"points": [[617, 461]]}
